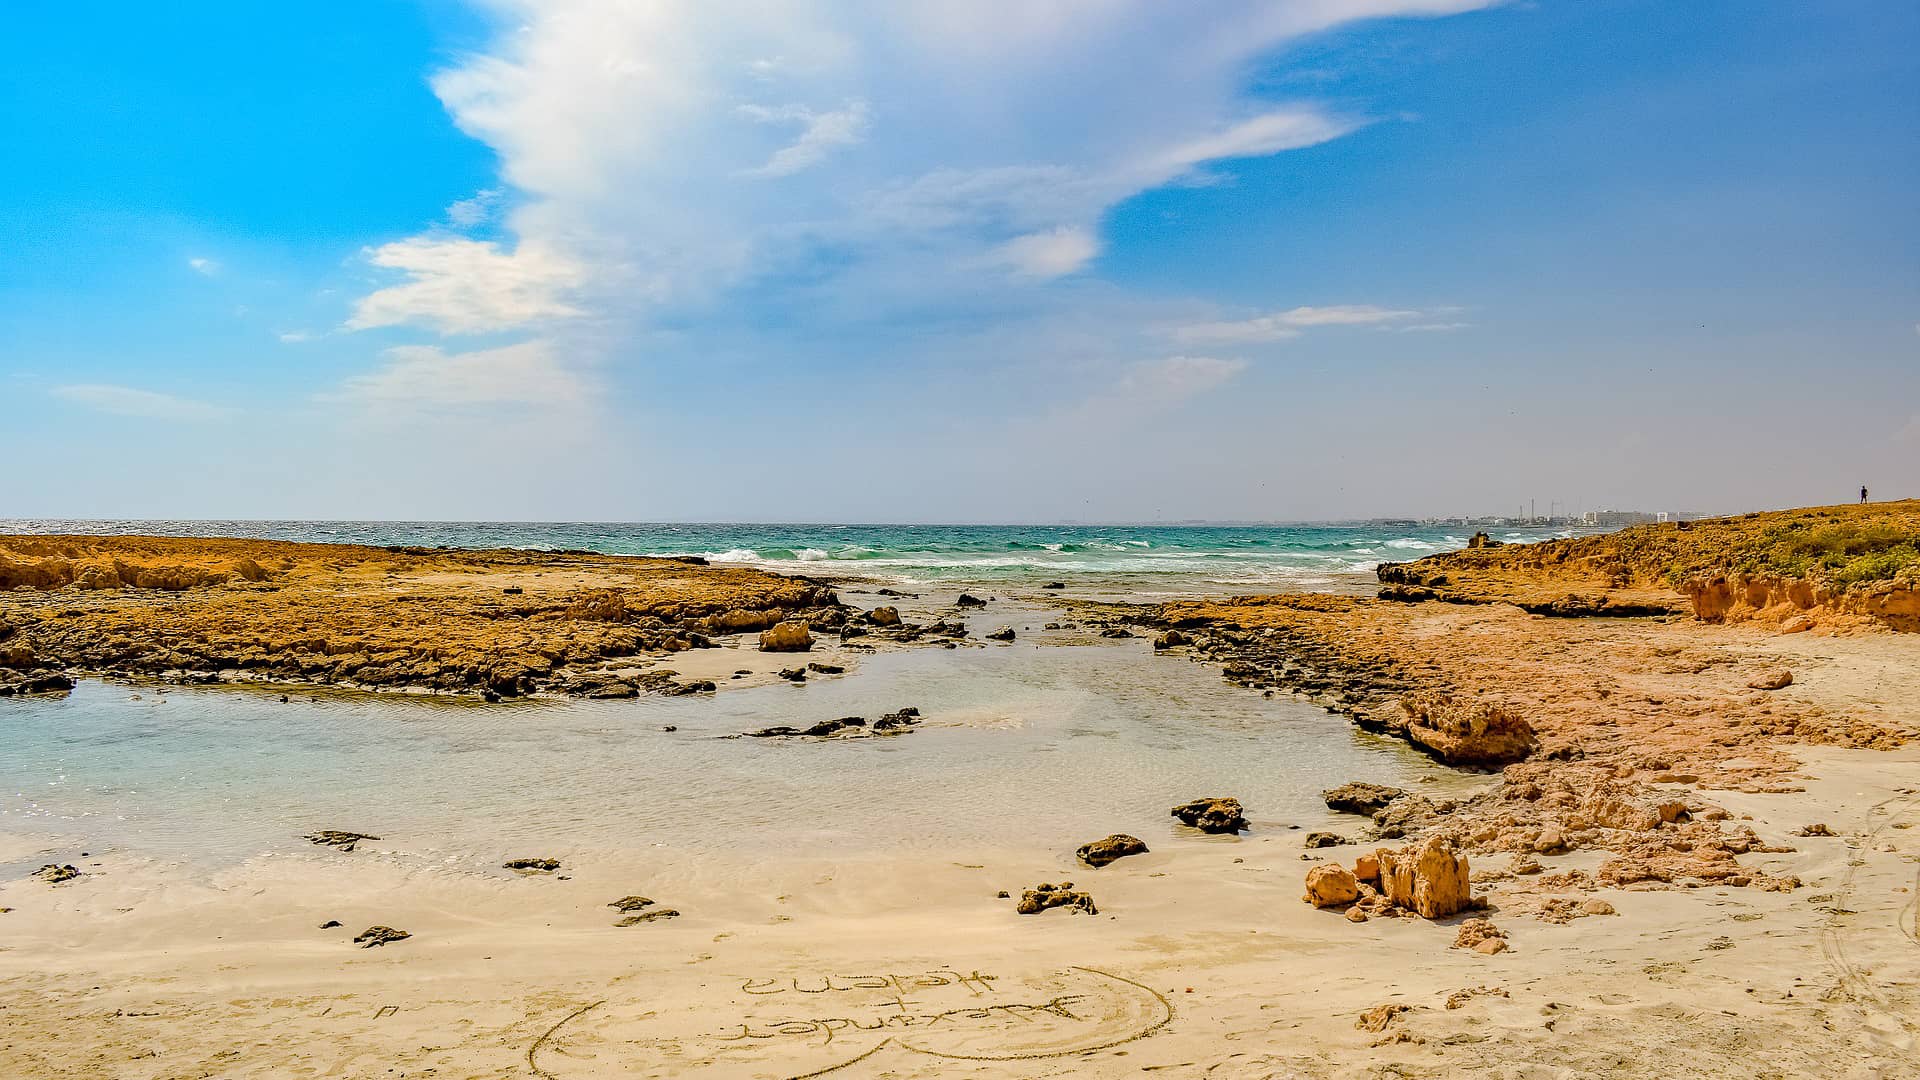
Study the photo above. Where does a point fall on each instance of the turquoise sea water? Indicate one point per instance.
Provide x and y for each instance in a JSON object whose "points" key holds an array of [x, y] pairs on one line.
{"points": [[1125, 559]]}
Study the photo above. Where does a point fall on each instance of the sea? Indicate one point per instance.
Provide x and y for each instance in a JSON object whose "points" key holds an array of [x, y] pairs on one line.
{"points": [[1140, 561]]}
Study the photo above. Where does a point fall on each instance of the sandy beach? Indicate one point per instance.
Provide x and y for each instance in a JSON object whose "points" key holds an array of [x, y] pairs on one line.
{"points": [[1692, 875]]}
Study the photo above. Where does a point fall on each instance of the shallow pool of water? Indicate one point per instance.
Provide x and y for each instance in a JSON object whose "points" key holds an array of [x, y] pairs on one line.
{"points": [[1021, 745]]}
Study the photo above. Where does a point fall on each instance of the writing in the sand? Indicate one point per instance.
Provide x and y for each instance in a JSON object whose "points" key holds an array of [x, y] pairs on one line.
{"points": [[827, 1028], [975, 983]]}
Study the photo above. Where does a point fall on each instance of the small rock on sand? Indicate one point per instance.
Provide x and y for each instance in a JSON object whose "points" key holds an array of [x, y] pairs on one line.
{"points": [[532, 866], [1046, 895], [338, 838], [655, 915], [1378, 1017], [1118, 846], [379, 935], [1331, 885], [1359, 797], [1481, 936], [789, 636], [1324, 839], [55, 873], [1004, 633], [1778, 679]]}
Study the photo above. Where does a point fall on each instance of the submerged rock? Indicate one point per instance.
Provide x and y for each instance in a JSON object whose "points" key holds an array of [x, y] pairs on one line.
{"points": [[1118, 846], [789, 636], [379, 935], [1004, 633], [1360, 797], [1054, 585], [1212, 815], [1045, 895], [338, 838]]}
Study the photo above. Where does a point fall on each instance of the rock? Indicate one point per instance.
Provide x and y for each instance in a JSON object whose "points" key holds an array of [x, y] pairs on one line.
{"points": [[1116, 632], [1378, 1017], [1778, 679], [1799, 624], [1366, 868], [1524, 865], [1813, 830], [1212, 815], [789, 636], [1356, 914], [898, 721], [1118, 846], [1475, 933], [884, 615], [794, 674], [330, 924], [1491, 946], [1331, 885], [1405, 816], [631, 903], [338, 838], [826, 669], [654, 915], [1054, 585], [1481, 540], [1360, 798], [55, 873], [1459, 732], [1324, 839], [1004, 633], [968, 600], [532, 866], [1596, 906], [1428, 878], [1171, 639], [379, 935], [1043, 896], [1551, 841]]}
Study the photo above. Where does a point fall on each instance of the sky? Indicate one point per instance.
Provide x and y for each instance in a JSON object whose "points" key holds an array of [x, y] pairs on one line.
{"points": [[1000, 261]]}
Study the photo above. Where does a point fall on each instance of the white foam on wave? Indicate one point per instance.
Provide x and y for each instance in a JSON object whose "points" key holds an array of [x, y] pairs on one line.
{"points": [[1409, 543]]}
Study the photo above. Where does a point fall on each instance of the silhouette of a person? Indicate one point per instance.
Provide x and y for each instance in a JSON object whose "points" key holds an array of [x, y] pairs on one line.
{"points": [[1863, 493]]}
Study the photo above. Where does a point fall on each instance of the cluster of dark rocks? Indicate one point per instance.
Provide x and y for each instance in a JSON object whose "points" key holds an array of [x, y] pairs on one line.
{"points": [[897, 722], [1395, 813], [635, 910]]}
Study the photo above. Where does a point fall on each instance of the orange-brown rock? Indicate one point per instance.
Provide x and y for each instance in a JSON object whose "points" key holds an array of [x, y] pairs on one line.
{"points": [[1429, 878], [1457, 731], [1331, 885], [788, 636]]}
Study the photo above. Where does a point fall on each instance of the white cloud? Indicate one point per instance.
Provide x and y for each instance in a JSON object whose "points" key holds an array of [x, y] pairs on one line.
{"points": [[821, 132], [130, 401], [1281, 325], [992, 134], [427, 378], [295, 337], [461, 286], [204, 266], [1177, 377], [1049, 254], [478, 210]]}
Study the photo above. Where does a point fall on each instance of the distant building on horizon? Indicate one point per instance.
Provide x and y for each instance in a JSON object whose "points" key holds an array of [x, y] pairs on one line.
{"points": [[1616, 518]]}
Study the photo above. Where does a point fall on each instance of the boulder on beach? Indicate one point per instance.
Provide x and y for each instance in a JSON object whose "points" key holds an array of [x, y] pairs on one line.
{"points": [[789, 636], [884, 615], [1481, 936], [1324, 839], [1004, 633], [969, 600], [1171, 639], [1212, 815], [1331, 885], [1118, 846], [1777, 679], [1461, 731], [1429, 878]]}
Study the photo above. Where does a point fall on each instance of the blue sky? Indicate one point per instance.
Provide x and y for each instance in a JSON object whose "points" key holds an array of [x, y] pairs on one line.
{"points": [[993, 261]]}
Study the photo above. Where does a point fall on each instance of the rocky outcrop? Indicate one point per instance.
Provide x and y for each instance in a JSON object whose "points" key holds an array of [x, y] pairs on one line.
{"points": [[789, 636], [379, 935], [1212, 815], [1118, 846], [1481, 936], [55, 873], [1478, 734], [531, 866], [1429, 878], [338, 838]]}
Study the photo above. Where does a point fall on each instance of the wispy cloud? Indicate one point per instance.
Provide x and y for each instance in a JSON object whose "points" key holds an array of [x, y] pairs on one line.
{"points": [[820, 133], [132, 401], [461, 286], [477, 210], [1281, 325], [425, 378], [1049, 254], [1177, 377], [295, 337], [203, 266]]}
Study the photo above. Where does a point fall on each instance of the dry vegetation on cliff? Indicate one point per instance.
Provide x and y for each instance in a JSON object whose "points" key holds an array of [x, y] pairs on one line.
{"points": [[495, 622], [1853, 560]]}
